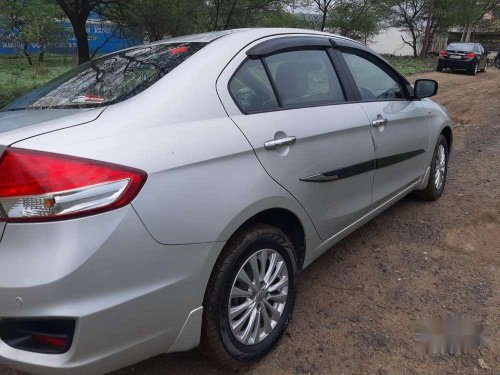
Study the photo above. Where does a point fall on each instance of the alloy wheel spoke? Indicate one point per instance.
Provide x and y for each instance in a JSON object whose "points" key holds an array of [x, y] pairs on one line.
{"points": [[240, 293], [280, 284], [270, 268], [263, 263], [282, 297], [249, 328], [254, 265], [256, 326], [275, 314], [266, 321], [244, 278], [279, 267], [237, 310], [240, 322]]}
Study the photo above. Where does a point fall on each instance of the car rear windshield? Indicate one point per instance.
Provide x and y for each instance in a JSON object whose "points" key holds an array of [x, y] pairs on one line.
{"points": [[109, 79], [461, 47]]}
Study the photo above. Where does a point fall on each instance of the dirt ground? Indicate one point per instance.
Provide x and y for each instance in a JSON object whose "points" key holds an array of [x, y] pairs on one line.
{"points": [[360, 304]]}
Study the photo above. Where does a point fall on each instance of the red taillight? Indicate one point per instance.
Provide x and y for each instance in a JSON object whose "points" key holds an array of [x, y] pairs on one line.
{"points": [[49, 341], [470, 55], [42, 186], [443, 53]]}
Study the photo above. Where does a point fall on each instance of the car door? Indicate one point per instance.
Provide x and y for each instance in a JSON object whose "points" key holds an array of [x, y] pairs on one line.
{"points": [[399, 124], [286, 97]]}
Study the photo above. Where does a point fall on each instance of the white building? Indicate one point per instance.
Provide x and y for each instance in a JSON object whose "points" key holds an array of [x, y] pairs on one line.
{"points": [[390, 42]]}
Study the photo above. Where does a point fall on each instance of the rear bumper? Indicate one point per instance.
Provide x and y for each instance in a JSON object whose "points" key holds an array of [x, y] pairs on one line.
{"points": [[131, 297], [456, 64]]}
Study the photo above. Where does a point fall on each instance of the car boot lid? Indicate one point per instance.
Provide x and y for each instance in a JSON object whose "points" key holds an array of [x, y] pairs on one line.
{"points": [[16, 126]]}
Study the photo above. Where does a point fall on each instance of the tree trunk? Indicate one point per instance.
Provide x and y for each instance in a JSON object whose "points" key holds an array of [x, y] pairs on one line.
{"points": [[465, 32], [469, 34], [427, 34], [218, 5], [26, 53], [41, 55], [323, 22], [78, 15], [230, 15], [82, 42]]}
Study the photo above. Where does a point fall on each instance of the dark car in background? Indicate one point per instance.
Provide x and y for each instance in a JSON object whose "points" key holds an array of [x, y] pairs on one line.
{"points": [[471, 57]]}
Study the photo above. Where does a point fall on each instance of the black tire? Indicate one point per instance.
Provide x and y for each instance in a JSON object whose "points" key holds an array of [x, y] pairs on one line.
{"points": [[431, 192], [439, 68], [217, 341], [473, 70]]}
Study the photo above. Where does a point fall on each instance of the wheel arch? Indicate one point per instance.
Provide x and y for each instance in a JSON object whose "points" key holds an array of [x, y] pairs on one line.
{"points": [[283, 212], [286, 221]]}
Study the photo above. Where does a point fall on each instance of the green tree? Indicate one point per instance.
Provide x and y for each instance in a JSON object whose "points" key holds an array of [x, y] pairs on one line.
{"points": [[78, 12], [325, 7], [281, 18], [470, 14], [441, 16], [32, 22], [410, 16], [155, 19], [358, 19], [227, 14]]}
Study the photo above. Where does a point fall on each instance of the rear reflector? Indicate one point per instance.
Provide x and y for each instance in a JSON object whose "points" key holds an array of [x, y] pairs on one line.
{"points": [[39, 186], [54, 342], [48, 336]]}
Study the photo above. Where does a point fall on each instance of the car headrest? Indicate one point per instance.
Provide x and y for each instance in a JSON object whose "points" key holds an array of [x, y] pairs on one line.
{"points": [[292, 79]]}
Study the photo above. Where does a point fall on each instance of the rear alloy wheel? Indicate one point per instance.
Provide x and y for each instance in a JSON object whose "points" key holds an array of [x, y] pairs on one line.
{"points": [[258, 297], [438, 172], [250, 296]]}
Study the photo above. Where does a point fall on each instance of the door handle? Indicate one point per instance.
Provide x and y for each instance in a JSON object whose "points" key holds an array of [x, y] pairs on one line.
{"points": [[275, 143], [379, 122]]}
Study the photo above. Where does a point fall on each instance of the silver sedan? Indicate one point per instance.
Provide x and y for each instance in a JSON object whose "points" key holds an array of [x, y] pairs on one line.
{"points": [[166, 196]]}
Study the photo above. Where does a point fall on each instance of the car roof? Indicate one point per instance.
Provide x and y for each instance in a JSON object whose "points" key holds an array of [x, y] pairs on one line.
{"points": [[249, 33], [463, 43], [245, 36]]}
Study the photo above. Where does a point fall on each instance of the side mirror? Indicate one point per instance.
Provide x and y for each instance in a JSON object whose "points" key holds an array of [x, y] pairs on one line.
{"points": [[425, 88]]}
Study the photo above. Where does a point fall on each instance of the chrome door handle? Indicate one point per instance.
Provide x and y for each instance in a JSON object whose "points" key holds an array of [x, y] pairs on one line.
{"points": [[275, 143], [379, 122]]}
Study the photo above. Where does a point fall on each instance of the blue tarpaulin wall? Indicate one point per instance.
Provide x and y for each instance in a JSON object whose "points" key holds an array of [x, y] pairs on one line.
{"points": [[102, 36]]}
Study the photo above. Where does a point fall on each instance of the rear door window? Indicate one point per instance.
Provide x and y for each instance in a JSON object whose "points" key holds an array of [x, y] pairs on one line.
{"points": [[460, 47], [251, 89], [304, 78], [109, 79]]}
